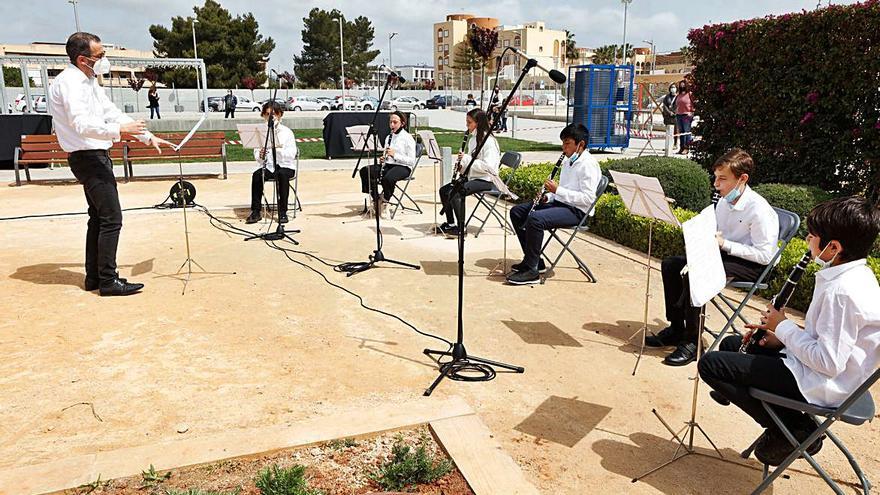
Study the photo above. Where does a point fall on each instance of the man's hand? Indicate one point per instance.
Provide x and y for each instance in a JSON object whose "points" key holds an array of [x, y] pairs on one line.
{"points": [[550, 186], [770, 319], [155, 141], [720, 239], [134, 127]]}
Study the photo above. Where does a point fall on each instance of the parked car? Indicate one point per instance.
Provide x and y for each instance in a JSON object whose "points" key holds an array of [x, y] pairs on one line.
{"points": [[38, 103], [245, 104], [552, 99], [403, 103], [281, 101], [350, 102], [525, 101], [444, 101], [299, 103], [215, 104], [367, 103], [329, 100]]}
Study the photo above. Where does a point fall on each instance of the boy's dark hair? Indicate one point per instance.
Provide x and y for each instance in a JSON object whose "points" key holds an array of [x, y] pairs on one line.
{"points": [[852, 221], [739, 161], [80, 44], [577, 132], [275, 106]]}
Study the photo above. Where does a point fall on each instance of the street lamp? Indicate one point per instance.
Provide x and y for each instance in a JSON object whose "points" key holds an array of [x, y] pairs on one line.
{"points": [[341, 61], [196, 56], [623, 48], [390, 63], [75, 13], [653, 54]]}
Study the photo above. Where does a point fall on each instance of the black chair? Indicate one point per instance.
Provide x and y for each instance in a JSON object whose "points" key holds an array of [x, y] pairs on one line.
{"points": [[788, 226], [856, 410], [583, 226], [294, 187], [400, 194], [510, 159]]}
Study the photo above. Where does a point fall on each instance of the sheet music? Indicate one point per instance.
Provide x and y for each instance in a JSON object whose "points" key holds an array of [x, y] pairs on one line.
{"points": [[254, 135], [644, 196], [706, 271]]}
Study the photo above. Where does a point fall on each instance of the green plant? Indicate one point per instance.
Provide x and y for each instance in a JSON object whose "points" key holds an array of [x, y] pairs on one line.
{"points": [[527, 180], [796, 199], [291, 480], [613, 221], [682, 180], [342, 443], [408, 467], [94, 485], [151, 478], [815, 122]]}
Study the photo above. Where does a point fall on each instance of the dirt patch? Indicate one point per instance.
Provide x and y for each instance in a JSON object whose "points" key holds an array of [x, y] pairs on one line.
{"points": [[338, 467]]}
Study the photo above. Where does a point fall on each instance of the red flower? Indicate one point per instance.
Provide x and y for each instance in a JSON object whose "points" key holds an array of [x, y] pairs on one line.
{"points": [[808, 117], [877, 125], [812, 97], [721, 88]]}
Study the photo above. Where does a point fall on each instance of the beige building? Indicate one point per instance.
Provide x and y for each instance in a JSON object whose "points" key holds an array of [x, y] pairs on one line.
{"points": [[449, 37], [118, 74], [673, 63]]}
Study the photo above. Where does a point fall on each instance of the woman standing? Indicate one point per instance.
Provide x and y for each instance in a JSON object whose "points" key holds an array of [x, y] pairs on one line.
{"points": [[153, 98], [667, 106], [684, 116], [484, 168], [399, 158]]}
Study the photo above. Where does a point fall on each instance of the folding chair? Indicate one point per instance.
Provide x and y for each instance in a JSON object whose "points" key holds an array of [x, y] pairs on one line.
{"points": [[788, 227], [856, 410], [294, 186], [583, 226], [513, 160], [400, 193]]}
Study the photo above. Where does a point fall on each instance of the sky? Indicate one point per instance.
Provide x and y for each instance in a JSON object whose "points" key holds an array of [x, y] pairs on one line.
{"points": [[594, 22]]}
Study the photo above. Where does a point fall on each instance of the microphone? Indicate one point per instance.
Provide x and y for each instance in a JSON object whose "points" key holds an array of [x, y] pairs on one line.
{"points": [[393, 74], [555, 75]]}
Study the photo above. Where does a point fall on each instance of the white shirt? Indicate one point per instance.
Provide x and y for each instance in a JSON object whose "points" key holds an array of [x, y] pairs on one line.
{"points": [[83, 116], [750, 227], [286, 153], [486, 164], [840, 346], [578, 182], [404, 147]]}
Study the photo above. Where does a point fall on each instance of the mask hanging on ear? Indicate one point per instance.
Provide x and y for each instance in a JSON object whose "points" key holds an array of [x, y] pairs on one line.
{"points": [[733, 195], [822, 264]]}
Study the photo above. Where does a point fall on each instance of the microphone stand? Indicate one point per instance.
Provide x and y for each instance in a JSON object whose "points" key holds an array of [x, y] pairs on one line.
{"points": [[377, 255], [461, 366], [279, 233]]}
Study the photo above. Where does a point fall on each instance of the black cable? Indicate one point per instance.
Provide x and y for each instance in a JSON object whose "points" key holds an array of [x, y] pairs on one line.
{"points": [[75, 213], [233, 229]]}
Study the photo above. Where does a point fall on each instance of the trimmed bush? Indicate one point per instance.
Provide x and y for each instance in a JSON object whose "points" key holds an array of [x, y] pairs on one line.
{"points": [[798, 92], [527, 180], [796, 199], [682, 180]]}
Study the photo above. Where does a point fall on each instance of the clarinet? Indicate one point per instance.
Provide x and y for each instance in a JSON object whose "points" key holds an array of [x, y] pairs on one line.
{"points": [[544, 187], [464, 141], [715, 198], [779, 301]]}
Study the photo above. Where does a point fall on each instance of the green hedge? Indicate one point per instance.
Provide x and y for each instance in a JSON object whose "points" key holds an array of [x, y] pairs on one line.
{"points": [[798, 92], [682, 180], [796, 199], [527, 180]]}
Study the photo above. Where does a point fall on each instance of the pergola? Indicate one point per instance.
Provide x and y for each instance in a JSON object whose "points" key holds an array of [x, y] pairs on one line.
{"points": [[44, 62]]}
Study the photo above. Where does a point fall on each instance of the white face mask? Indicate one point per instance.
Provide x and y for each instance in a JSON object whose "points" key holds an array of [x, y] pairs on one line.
{"points": [[673, 90], [102, 66], [822, 264]]}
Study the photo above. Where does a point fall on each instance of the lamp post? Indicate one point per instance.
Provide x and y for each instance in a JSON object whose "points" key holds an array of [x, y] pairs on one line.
{"points": [[196, 56], [390, 63], [75, 13], [623, 48], [653, 54], [341, 62]]}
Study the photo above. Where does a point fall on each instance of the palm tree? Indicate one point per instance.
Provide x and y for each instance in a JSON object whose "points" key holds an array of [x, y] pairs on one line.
{"points": [[571, 52]]}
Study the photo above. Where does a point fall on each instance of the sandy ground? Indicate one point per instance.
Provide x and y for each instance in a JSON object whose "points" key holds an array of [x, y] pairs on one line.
{"points": [[273, 343]]}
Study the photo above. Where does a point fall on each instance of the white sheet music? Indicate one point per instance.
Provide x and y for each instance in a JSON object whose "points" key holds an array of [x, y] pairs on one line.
{"points": [[643, 196], [254, 135], [706, 272]]}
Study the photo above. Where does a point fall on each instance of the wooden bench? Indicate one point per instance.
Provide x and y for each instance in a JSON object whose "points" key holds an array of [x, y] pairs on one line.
{"points": [[44, 149], [202, 145]]}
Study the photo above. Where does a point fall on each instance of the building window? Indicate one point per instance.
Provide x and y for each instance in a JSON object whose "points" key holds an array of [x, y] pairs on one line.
{"points": [[506, 43], [446, 33], [517, 42], [439, 48], [540, 49]]}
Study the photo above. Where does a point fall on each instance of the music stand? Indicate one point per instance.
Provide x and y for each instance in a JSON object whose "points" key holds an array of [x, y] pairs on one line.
{"points": [[255, 136], [432, 148], [707, 280], [644, 197]]}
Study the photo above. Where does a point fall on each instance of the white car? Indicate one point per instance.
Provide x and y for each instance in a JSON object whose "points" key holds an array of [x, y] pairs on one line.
{"points": [[366, 103], [38, 103], [245, 104], [403, 103], [299, 103], [552, 99]]}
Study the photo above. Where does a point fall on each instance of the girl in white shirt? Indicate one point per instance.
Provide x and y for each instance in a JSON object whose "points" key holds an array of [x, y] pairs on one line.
{"points": [[836, 351], [480, 176], [399, 159]]}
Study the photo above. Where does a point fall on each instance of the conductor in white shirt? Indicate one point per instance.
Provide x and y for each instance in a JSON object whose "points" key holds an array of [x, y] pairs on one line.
{"points": [[748, 234], [87, 123]]}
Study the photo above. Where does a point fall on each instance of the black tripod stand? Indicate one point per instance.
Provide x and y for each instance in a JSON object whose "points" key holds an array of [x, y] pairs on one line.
{"points": [[377, 256], [463, 367], [279, 233]]}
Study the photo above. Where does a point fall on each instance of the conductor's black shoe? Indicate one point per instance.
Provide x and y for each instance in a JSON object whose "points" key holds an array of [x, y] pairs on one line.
{"points": [[528, 277], [254, 217], [685, 353], [521, 267], [451, 231], [667, 337], [717, 397], [92, 285], [772, 448], [118, 287], [282, 218], [440, 229]]}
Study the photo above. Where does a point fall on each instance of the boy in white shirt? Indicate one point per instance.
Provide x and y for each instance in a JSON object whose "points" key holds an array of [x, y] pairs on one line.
{"points": [[748, 236], [285, 152], [836, 351], [564, 205]]}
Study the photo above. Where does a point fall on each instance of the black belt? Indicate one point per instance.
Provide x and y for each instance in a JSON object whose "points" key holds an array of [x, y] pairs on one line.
{"points": [[85, 153]]}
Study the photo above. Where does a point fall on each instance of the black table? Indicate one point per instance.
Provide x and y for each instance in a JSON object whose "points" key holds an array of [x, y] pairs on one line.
{"points": [[13, 126], [336, 141]]}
